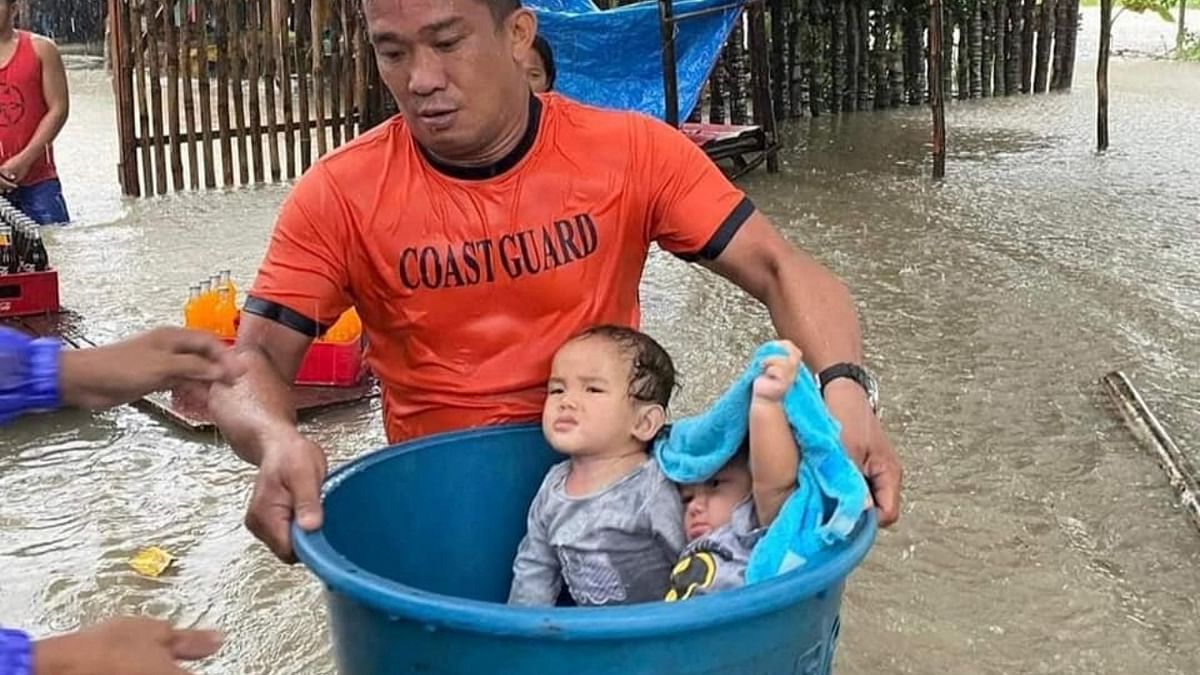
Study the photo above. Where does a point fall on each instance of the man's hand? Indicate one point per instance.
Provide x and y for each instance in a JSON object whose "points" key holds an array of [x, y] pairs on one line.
{"points": [[868, 445], [13, 171], [127, 646], [124, 371], [288, 486]]}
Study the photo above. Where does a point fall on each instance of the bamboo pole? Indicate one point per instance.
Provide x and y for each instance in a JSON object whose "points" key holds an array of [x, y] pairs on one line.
{"points": [[837, 48], [138, 45], [265, 21], [863, 50], [234, 43], [1012, 66], [1102, 75], [362, 73], [156, 97], [764, 112], [349, 30], [172, 47], [1028, 29], [189, 100], [222, 18], [1151, 434], [251, 41], [1045, 36], [318, 72], [1072, 35], [205, 92], [975, 49], [936, 100], [303, 25], [286, 57], [334, 77], [1000, 85], [778, 42], [122, 69], [963, 66]]}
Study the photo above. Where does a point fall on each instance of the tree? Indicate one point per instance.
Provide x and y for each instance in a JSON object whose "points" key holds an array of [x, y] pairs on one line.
{"points": [[1181, 34]]}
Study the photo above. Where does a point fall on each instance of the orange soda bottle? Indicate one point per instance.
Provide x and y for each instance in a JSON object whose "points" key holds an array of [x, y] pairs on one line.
{"points": [[190, 319], [224, 313], [227, 282], [204, 307]]}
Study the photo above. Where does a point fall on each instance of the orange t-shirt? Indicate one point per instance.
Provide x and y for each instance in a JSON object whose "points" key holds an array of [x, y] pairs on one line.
{"points": [[468, 280]]}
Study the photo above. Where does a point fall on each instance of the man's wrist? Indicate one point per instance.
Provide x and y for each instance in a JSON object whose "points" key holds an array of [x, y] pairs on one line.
{"points": [[846, 389], [16, 653], [840, 375], [765, 405]]}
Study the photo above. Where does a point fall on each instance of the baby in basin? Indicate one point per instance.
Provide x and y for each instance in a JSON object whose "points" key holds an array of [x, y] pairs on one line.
{"points": [[605, 522], [726, 515]]}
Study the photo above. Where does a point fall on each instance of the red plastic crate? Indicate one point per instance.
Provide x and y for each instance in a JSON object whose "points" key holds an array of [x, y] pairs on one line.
{"points": [[29, 293], [330, 364]]}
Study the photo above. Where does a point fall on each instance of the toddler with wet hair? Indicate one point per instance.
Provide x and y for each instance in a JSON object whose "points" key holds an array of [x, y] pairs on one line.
{"points": [[606, 522]]}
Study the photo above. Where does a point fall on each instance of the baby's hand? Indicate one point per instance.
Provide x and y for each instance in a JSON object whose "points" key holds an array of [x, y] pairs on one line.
{"points": [[779, 372]]}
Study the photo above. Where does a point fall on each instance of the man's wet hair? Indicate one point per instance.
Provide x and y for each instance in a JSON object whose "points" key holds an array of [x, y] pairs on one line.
{"points": [[651, 371]]}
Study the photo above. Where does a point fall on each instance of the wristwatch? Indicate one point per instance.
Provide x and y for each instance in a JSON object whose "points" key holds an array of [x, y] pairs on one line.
{"points": [[854, 372]]}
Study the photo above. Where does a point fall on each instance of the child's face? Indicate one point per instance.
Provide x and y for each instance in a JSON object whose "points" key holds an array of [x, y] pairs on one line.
{"points": [[588, 408], [535, 70], [709, 505]]}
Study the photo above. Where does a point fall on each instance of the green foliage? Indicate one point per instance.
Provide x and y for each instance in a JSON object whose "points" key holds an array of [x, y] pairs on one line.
{"points": [[1191, 47], [1159, 7]]}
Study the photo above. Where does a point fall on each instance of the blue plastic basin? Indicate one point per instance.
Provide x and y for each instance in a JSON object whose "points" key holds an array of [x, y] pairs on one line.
{"points": [[416, 555]]}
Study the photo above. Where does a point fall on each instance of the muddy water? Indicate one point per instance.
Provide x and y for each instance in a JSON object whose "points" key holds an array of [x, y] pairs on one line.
{"points": [[1036, 536]]}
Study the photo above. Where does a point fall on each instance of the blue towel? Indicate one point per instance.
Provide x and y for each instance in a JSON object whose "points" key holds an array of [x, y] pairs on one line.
{"points": [[830, 493]]}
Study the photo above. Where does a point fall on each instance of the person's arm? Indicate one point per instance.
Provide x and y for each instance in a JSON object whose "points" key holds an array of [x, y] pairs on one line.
{"points": [[537, 576], [124, 645], [39, 375], [300, 290], [774, 455], [665, 509], [696, 213], [258, 407], [813, 308], [54, 89]]}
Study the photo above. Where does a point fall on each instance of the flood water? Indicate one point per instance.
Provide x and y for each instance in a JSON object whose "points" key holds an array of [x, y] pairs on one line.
{"points": [[1036, 537]]}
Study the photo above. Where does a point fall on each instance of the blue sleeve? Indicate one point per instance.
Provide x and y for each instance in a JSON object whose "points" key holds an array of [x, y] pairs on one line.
{"points": [[28, 374], [16, 653]]}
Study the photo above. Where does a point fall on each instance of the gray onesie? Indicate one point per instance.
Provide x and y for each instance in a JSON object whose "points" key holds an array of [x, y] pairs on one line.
{"points": [[717, 561], [614, 547]]}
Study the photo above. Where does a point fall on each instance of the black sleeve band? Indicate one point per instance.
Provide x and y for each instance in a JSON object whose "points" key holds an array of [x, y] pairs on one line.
{"points": [[724, 234], [283, 315]]}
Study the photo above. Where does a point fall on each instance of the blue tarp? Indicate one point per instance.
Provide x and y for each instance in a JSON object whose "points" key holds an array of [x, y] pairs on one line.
{"points": [[613, 58]]}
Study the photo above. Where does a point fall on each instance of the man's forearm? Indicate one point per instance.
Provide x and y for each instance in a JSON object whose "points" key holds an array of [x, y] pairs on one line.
{"points": [[258, 406], [47, 130], [812, 308]]}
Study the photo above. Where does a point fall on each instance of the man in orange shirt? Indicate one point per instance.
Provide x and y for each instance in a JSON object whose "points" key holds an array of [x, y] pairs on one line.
{"points": [[481, 228]]}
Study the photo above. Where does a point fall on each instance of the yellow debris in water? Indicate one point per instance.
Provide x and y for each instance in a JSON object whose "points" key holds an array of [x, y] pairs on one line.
{"points": [[151, 561]]}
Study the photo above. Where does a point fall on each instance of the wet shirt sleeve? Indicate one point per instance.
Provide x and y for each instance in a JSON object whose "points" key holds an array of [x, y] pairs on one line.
{"points": [[537, 577], [303, 281], [665, 510], [692, 209]]}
